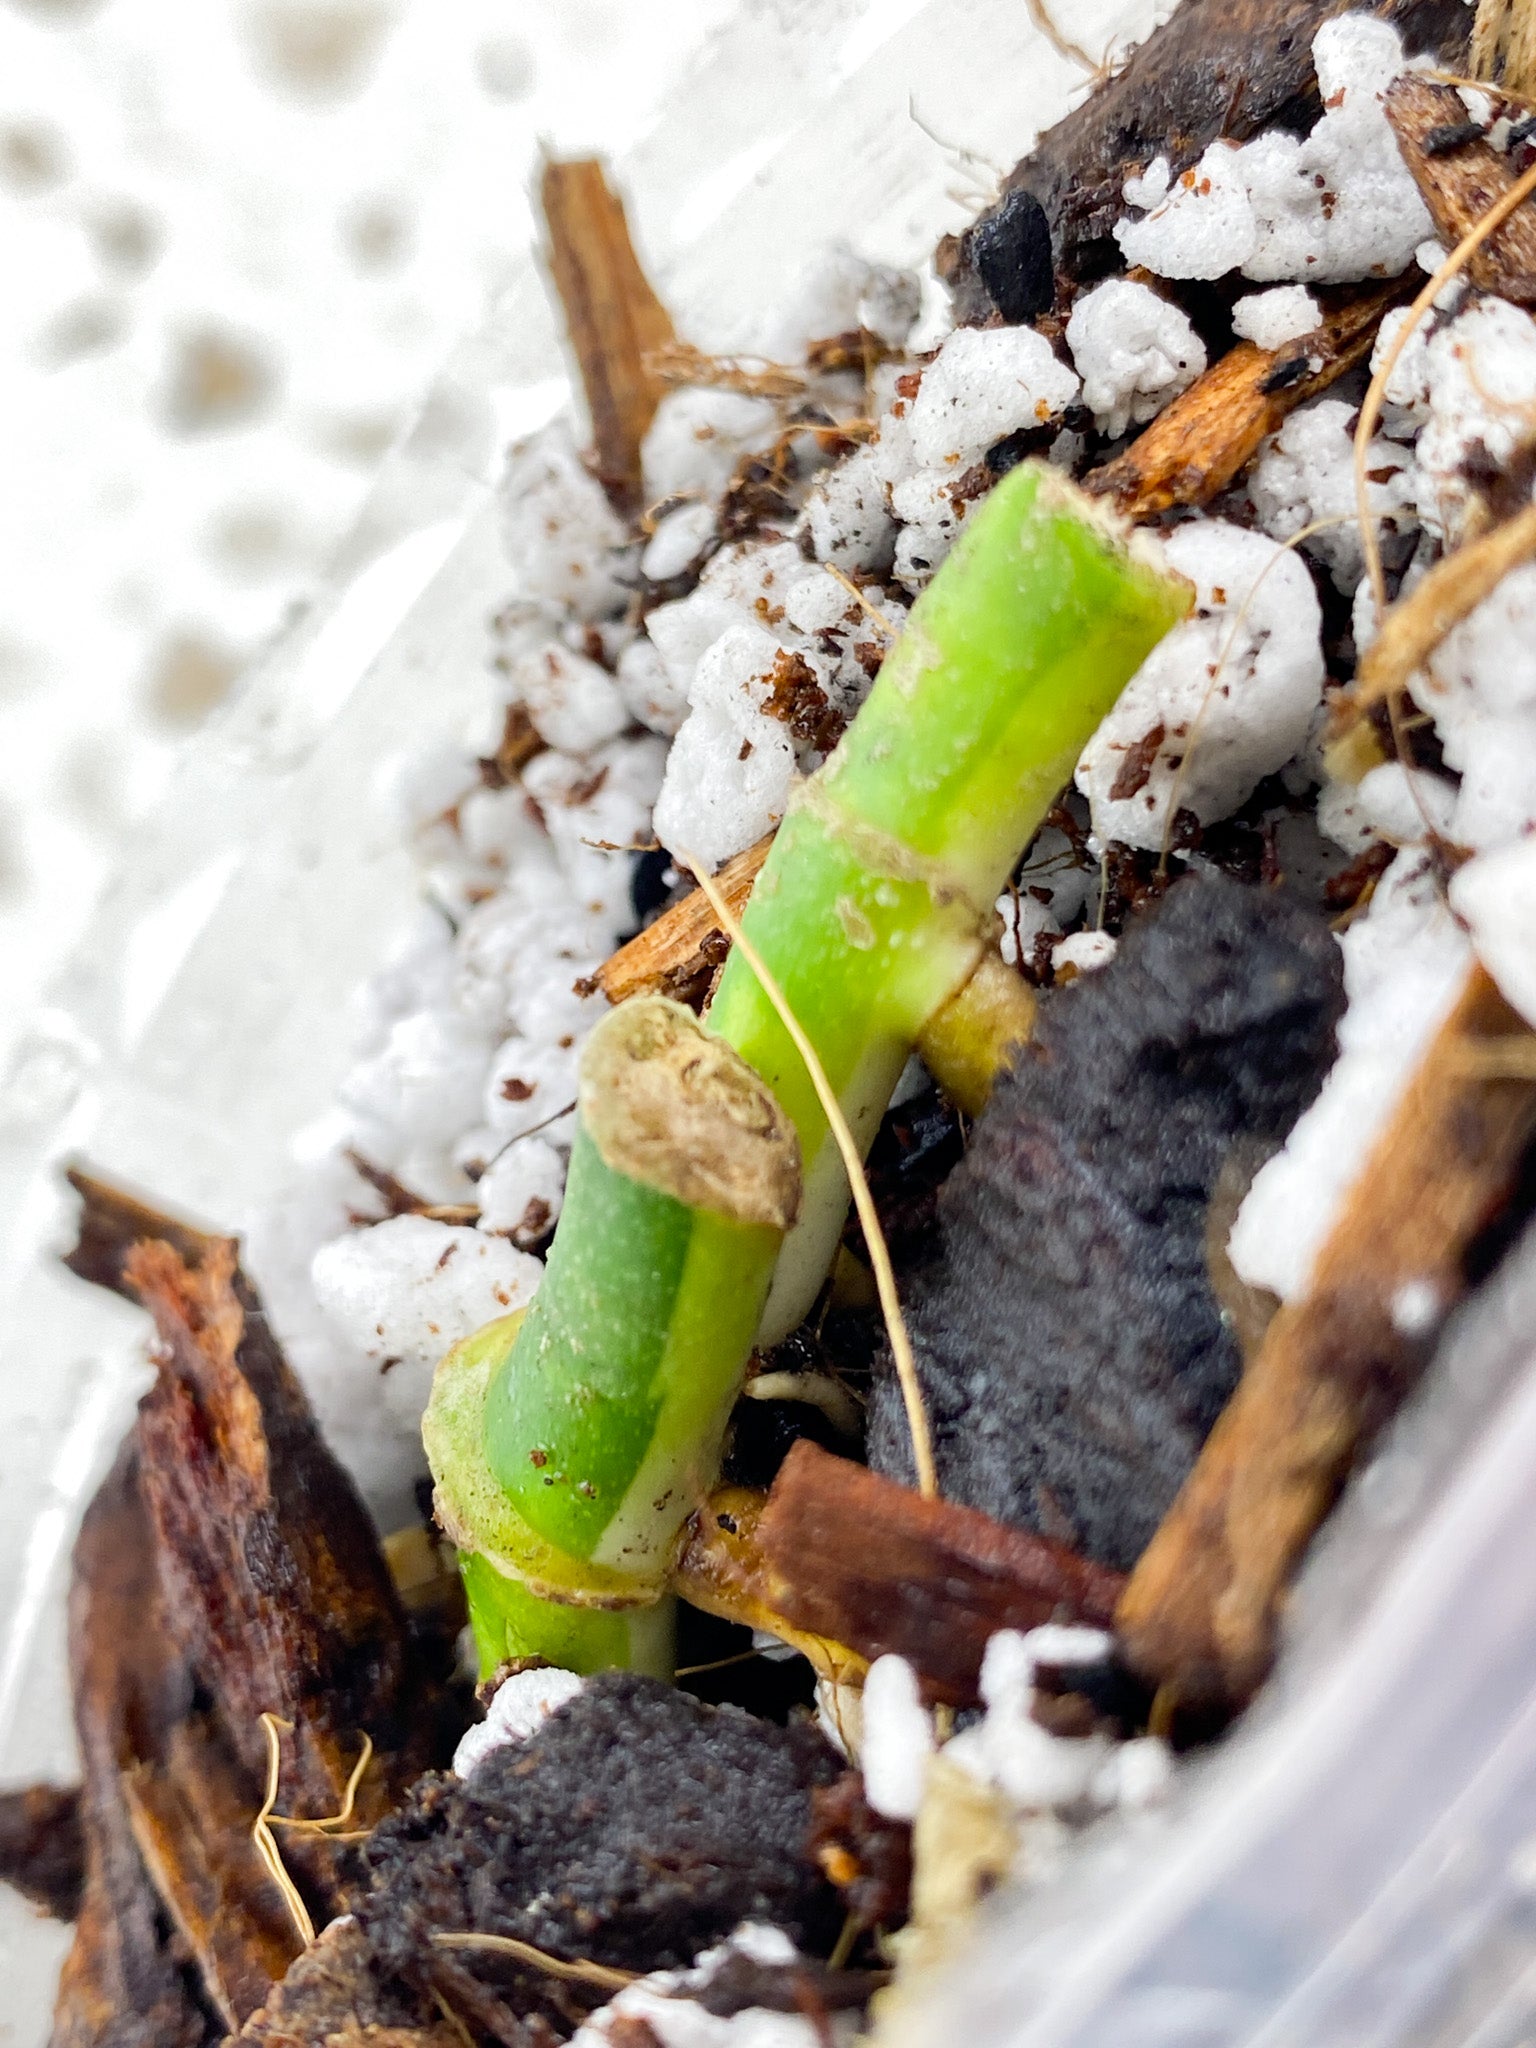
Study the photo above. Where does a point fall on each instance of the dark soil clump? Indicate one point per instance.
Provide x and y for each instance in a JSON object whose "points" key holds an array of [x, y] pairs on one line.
{"points": [[1072, 1350]]}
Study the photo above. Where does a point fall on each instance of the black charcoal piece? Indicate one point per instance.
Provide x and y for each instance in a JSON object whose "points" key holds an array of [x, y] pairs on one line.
{"points": [[1218, 69], [1072, 1353], [1011, 250], [636, 1828]]}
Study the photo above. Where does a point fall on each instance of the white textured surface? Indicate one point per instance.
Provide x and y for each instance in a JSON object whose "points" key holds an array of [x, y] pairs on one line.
{"points": [[1223, 701], [522, 1702], [237, 242]]}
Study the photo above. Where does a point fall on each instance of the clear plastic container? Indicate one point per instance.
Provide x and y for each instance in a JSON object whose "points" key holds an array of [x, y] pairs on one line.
{"points": [[1359, 1862]]}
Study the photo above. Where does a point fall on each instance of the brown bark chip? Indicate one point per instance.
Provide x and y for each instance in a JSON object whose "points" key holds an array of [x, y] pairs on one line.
{"points": [[1460, 182]]}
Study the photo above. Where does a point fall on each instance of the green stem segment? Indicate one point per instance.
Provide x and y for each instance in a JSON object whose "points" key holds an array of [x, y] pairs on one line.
{"points": [[601, 1418]]}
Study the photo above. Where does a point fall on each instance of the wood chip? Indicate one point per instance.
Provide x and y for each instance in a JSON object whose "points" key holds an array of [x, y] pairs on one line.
{"points": [[677, 955], [864, 1561], [129, 1684], [1197, 445], [1504, 44], [1461, 183], [614, 319], [1199, 1614], [723, 1571]]}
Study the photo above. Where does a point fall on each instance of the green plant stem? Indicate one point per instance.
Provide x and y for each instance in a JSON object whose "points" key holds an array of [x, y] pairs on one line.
{"points": [[603, 1413]]}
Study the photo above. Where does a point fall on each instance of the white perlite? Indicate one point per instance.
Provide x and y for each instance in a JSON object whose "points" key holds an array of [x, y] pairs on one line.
{"points": [[1403, 964], [559, 531], [838, 291], [665, 2003], [1307, 474], [1133, 350], [1471, 386], [1083, 953], [519, 1707], [403, 1291], [574, 704], [697, 438], [1495, 897], [1226, 699], [984, 384], [1041, 1774], [1270, 319], [522, 1191], [848, 515], [1335, 205], [1007, 1748], [896, 1740], [680, 538], [1480, 689], [731, 768], [760, 621]]}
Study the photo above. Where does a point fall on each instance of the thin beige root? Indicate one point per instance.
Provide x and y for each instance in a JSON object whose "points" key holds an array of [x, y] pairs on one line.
{"points": [[1062, 44], [1414, 627], [1375, 397], [871, 610], [336, 1826], [864, 1201], [1499, 1059], [679, 362], [266, 1841], [452, 2017], [580, 1972], [1503, 47]]}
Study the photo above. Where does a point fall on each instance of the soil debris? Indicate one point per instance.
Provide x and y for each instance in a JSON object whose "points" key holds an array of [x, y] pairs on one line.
{"points": [[634, 1829]]}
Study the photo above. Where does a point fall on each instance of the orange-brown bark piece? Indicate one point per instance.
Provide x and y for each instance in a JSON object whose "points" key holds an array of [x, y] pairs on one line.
{"points": [[228, 1570], [1207, 436], [189, 1809], [613, 317], [677, 955], [723, 1570], [865, 1561], [1459, 185], [1198, 1616]]}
